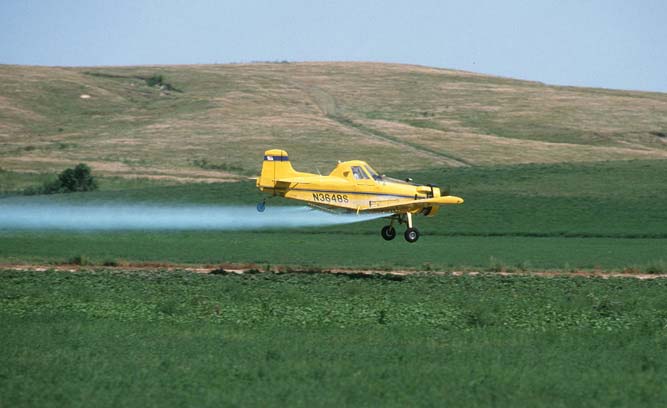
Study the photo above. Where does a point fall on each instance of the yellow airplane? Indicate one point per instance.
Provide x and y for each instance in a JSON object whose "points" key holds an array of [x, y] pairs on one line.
{"points": [[353, 186]]}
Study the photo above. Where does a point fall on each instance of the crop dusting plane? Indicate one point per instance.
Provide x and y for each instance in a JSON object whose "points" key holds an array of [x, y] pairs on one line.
{"points": [[353, 186]]}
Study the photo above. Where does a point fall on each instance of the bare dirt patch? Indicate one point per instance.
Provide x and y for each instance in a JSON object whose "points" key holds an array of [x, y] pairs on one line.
{"points": [[252, 268]]}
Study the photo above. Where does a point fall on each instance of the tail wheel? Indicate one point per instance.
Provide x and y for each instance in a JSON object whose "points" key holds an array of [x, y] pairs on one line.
{"points": [[388, 233], [261, 206], [411, 234]]}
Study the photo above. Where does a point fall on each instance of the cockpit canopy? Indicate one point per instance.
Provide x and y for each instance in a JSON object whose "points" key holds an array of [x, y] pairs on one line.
{"points": [[374, 174], [360, 170], [358, 173], [356, 170], [364, 172]]}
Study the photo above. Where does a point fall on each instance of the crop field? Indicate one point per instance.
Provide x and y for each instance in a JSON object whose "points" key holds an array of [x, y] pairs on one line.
{"points": [[312, 339], [113, 336], [610, 216]]}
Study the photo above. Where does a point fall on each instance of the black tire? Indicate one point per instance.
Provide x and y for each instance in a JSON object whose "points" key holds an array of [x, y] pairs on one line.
{"points": [[411, 235], [388, 233]]}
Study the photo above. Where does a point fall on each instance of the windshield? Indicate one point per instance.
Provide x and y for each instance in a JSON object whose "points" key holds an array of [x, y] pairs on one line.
{"points": [[358, 173], [373, 173]]}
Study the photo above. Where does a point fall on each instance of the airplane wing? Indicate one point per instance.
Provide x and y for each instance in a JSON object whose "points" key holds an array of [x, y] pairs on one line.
{"points": [[287, 181], [379, 206]]}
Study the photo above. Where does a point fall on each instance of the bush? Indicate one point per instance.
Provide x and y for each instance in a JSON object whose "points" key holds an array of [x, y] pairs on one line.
{"points": [[71, 180], [77, 179], [156, 79], [159, 81]]}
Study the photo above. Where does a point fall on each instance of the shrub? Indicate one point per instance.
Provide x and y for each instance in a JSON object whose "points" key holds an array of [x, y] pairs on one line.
{"points": [[71, 180], [159, 81], [156, 79], [74, 179]]}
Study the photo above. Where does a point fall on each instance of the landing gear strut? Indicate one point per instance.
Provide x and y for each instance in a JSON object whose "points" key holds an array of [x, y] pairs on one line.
{"points": [[411, 234]]}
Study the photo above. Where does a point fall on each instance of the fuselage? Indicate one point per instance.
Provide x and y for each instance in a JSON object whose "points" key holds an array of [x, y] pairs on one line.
{"points": [[352, 185]]}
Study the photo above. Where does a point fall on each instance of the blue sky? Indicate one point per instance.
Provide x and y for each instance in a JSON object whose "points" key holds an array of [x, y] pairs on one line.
{"points": [[611, 44]]}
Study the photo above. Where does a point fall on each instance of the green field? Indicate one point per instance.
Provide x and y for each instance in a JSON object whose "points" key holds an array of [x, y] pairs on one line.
{"points": [[610, 215], [176, 338]]}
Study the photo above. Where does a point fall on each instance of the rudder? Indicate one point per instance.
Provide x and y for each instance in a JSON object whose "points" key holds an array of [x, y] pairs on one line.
{"points": [[276, 165]]}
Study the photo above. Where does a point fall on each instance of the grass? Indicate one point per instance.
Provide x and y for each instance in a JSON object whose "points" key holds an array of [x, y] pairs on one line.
{"points": [[395, 116], [605, 215], [612, 199], [329, 250], [12, 183], [176, 338]]}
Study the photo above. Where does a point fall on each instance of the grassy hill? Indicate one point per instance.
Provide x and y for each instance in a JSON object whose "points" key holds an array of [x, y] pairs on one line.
{"points": [[212, 122]]}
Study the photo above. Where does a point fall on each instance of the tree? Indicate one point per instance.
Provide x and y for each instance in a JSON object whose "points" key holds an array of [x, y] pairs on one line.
{"points": [[77, 179], [71, 180]]}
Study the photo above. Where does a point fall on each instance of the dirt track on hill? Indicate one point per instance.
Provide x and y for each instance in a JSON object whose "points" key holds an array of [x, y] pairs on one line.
{"points": [[249, 268]]}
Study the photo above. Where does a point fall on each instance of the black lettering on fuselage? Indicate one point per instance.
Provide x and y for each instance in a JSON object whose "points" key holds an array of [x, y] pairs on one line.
{"points": [[330, 198]]}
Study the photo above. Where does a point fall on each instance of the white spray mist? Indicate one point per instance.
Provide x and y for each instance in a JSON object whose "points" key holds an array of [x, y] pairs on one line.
{"points": [[40, 216]]}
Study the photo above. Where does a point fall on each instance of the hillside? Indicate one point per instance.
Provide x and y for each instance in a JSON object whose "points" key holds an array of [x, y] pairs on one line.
{"points": [[212, 122]]}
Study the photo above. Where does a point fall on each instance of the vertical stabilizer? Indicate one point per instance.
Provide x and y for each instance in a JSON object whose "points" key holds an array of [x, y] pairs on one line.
{"points": [[276, 166]]}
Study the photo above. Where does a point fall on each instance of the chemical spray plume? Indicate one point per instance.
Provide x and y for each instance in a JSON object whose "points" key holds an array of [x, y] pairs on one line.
{"points": [[148, 217]]}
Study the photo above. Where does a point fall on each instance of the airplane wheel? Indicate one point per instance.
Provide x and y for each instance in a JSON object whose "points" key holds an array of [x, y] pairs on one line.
{"points": [[261, 206], [411, 234], [388, 233]]}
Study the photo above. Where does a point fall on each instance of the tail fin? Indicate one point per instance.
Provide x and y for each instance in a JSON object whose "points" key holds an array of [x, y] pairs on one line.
{"points": [[276, 166]]}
